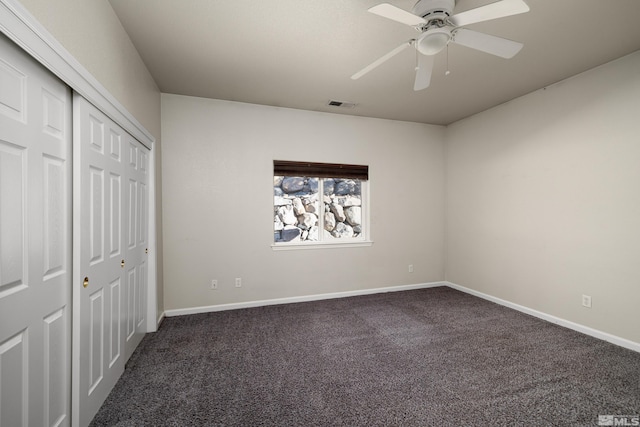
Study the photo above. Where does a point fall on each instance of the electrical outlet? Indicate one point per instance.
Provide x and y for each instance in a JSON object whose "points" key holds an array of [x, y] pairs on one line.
{"points": [[410, 268], [214, 284], [238, 282], [586, 301]]}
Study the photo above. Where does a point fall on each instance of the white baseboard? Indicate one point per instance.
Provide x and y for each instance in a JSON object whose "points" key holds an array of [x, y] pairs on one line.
{"points": [[622, 342], [305, 298], [160, 318]]}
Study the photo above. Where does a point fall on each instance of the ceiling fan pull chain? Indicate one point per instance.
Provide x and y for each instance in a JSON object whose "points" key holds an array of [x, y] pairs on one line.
{"points": [[446, 73]]}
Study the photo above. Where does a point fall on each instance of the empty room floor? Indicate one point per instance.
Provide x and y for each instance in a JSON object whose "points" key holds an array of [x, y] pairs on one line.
{"points": [[426, 357]]}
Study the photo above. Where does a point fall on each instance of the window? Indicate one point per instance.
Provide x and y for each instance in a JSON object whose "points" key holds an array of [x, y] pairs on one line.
{"points": [[319, 203]]}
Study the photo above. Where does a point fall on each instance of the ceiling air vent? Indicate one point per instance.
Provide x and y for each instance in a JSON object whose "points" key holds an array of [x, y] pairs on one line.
{"points": [[341, 104]]}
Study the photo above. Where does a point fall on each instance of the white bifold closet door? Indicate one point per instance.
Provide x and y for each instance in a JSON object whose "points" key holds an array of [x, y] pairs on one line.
{"points": [[110, 267], [35, 243]]}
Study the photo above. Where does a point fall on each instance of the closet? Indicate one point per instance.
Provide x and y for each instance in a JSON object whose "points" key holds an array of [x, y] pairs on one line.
{"points": [[74, 247]]}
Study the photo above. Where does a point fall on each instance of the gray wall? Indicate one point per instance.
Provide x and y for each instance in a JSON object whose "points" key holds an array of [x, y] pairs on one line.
{"points": [[543, 199]]}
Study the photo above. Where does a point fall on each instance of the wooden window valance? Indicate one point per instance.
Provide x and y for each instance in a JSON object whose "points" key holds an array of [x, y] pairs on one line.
{"points": [[320, 170]]}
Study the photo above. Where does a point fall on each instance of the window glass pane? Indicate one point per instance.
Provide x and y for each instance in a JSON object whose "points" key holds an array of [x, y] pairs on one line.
{"points": [[342, 208], [295, 208]]}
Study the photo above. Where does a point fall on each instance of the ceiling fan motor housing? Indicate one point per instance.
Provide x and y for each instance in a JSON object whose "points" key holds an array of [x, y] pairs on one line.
{"points": [[430, 9]]}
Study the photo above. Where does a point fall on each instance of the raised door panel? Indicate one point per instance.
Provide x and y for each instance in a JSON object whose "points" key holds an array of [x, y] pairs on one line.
{"points": [[13, 256], [55, 201], [132, 295], [115, 223], [13, 96], [14, 385], [95, 228], [115, 325], [56, 370]]}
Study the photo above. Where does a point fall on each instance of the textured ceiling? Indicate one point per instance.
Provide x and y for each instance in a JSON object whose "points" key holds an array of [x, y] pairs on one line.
{"points": [[301, 53]]}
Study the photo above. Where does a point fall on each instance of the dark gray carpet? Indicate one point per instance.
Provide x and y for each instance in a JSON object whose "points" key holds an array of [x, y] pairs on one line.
{"points": [[432, 357]]}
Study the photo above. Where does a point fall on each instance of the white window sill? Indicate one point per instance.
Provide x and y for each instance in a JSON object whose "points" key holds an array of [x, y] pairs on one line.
{"points": [[320, 245]]}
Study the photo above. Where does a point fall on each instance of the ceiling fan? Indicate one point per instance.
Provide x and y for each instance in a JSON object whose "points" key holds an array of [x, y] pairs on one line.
{"points": [[438, 27]]}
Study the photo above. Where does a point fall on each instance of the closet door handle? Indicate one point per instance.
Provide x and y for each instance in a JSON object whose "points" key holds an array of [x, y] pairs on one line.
{"points": [[85, 282], [122, 263]]}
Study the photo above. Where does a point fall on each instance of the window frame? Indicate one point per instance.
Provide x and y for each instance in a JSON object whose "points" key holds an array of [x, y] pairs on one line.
{"points": [[329, 170]]}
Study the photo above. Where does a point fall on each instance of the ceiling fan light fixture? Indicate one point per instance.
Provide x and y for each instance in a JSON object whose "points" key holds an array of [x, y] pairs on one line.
{"points": [[433, 42]]}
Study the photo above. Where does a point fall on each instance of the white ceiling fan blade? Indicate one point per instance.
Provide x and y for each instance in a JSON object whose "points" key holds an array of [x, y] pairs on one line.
{"points": [[487, 43], [394, 13], [495, 10], [423, 71], [381, 60]]}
